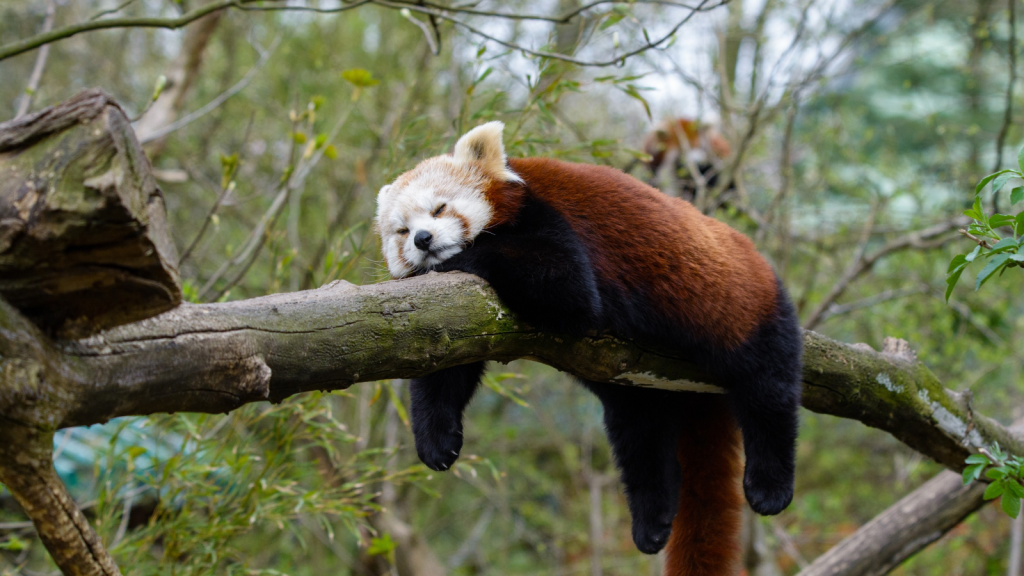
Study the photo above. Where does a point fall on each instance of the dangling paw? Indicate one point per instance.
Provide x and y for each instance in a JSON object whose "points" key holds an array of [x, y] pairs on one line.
{"points": [[652, 514], [439, 450], [651, 537], [768, 491]]}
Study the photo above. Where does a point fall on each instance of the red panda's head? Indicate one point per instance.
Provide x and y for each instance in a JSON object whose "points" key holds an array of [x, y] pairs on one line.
{"points": [[433, 211]]}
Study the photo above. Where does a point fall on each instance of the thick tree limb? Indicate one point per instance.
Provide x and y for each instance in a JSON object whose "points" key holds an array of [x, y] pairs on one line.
{"points": [[216, 357], [82, 222], [905, 528], [27, 471]]}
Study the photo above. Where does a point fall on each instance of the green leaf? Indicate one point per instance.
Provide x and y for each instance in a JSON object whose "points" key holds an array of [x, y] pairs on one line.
{"points": [[359, 77], [1011, 504], [998, 220], [991, 268], [14, 544], [994, 490], [1018, 224], [396, 401], [331, 152], [638, 154], [381, 546], [1017, 194], [995, 474], [632, 92], [1020, 159], [952, 279], [1003, 245], [958, 261], [972, 473], [299, 137], [974, 254], [1015, 487], [999, 182], [977, 459], [987, 179], [612, 19], [495, 383]]}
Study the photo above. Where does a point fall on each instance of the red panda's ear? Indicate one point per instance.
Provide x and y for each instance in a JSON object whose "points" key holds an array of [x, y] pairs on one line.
{"points": [[482, 146]]}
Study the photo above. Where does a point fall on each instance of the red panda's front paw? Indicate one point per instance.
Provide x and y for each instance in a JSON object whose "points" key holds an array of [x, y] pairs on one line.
{"points": [[439, 450]]}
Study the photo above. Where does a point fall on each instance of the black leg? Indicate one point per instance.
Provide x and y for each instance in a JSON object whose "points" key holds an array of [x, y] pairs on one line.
{"points": [[766, 411], [643, 434], [438, 400]]}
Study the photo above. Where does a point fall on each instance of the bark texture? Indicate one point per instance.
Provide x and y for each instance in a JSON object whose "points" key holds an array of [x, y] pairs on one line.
{"points": [[27, 471], [82, 222]]}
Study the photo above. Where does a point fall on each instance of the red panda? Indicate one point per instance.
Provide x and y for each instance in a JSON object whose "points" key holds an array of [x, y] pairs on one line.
{"points": [[705, 144], [577, 248], [683, 145]]}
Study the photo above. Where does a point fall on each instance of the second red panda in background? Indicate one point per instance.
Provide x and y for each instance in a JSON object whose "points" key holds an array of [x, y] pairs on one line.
{"points": [[680, 143], [575, 248]]}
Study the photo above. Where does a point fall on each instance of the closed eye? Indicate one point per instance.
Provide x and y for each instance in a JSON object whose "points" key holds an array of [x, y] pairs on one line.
{"points": [[439, 209], [402, 231]]}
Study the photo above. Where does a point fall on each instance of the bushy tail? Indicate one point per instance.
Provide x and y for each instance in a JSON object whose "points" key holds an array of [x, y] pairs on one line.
{"points": [[705, 538]]}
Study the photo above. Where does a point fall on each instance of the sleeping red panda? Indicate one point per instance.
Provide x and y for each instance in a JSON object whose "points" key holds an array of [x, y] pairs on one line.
{"points": [[576, 248]]}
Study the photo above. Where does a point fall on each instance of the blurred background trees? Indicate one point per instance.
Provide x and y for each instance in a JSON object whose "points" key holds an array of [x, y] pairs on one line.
{"points": [[858, 130]]}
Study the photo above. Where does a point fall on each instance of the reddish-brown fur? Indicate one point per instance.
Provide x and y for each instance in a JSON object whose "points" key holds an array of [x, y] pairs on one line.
{"points": [[706, 530], [707, 276]]}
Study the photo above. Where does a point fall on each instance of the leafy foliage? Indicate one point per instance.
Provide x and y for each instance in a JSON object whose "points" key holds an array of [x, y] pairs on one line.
{"points": [[1006, 473], [998, 251]]}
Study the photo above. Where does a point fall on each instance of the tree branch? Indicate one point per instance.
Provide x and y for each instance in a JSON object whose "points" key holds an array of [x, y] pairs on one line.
{"points": [[217, 357], [434, 10], [903, 529], [931, 237]]}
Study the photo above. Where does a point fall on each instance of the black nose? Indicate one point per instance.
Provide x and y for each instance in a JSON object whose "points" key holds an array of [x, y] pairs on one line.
{"points": [[422, 239]]}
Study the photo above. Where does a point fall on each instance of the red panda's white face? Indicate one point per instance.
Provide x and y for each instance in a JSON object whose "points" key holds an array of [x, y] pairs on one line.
{"points": [[433, 211]]}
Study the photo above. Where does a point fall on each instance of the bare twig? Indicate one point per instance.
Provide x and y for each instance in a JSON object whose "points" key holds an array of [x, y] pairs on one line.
{"points": [[220, 99], [113, 10], [428, 33], [440, 12], [924, 239], [258, 237], [884, 296], [1008, 111], [40, 65], [788, 546], [617, 60], [979, 241]]}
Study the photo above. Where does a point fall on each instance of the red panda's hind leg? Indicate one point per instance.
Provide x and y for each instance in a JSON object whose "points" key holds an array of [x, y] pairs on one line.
{"points": [[765, 394], [641, 430]]}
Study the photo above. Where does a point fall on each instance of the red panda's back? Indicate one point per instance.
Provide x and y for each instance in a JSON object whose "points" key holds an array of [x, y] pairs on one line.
{"points": [[698, 269]]}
